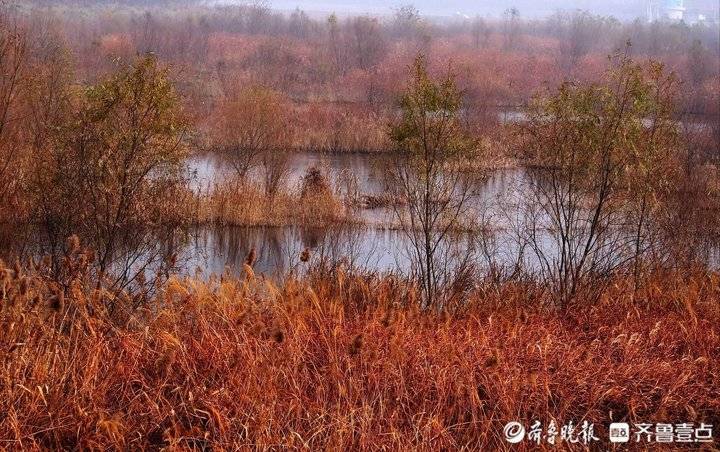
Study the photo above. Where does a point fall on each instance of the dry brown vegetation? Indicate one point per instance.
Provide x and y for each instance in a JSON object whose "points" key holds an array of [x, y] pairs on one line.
{"points": [[338, 361], [339, 77], [234, 203], [103, 348]]}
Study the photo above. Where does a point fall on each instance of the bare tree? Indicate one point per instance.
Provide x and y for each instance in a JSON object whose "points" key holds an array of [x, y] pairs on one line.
{"points": [[480, 31], [249, 125], [276, 169], [406, 20], [334, 43], [13, 81], [511, 28], [368, 41], [428, 177], [581, 32], [49, 106]]}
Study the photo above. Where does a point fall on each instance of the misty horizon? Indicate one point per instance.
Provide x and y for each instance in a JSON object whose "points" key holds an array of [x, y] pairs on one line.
{"points": [[623, 10]]}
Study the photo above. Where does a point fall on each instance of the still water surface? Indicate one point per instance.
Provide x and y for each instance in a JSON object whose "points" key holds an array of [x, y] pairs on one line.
{"points": [[380, 248]]}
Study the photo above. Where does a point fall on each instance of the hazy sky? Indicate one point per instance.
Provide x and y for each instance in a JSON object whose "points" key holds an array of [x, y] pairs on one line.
{"points": [[528, 8], [621, 9]]}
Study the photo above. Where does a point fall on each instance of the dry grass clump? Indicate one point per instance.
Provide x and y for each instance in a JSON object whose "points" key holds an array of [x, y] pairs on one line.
{"points": [[233, 203], [339, 128], [318, 202], [342, 362]]}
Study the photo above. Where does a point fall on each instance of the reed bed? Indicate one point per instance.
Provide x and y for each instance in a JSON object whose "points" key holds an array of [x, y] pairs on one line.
{"points": [[336, 361], [235, 204]]}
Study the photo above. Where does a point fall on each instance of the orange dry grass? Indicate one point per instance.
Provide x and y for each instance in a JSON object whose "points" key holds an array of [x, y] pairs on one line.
{"points": [[247, 205], [338, 363]]}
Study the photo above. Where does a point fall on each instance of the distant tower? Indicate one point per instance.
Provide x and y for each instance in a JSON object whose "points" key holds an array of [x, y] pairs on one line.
{"points": [[652, 10], [655, 10]]}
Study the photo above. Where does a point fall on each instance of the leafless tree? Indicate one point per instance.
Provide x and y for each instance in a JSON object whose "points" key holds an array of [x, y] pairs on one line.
{"points": [[14, 77], [368, 41], [250, 130], [481, 32], [511, 28], [275, 164]]}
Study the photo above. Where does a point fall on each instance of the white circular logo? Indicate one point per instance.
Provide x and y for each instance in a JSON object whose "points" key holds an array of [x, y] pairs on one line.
{"points": [[514, 432]]}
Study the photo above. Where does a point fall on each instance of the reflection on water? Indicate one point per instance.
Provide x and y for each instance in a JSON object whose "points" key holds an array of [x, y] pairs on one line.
{"points": [[277, 250], [497, 205], [364, 167], [215, 250], [362, 174]]}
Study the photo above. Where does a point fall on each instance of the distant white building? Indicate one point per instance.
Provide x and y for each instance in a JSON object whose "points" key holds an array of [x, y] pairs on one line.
{"points": [[673, 10], [702, 11]]}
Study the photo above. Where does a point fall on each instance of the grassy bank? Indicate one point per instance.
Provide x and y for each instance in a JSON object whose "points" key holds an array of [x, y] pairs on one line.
{"points": [[342, 362]]}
